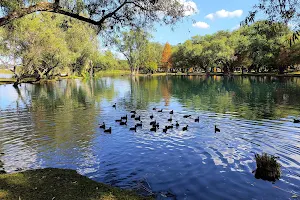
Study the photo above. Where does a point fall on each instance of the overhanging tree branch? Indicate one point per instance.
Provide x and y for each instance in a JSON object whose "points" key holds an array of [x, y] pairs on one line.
{"points": [[42, 7], [55, 8]]}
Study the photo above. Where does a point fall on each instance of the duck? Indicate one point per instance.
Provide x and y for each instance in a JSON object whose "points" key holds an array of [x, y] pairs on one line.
{"points": [[160, 110], [296, 121], [156, 125], [133, 116], [153, 129], [216, 129], [115, 105], [138, 118], [165, 129], [133, 128], [133, 112], [124, 117], [197, 119], [171, 112], [153, 122], [170, 126], [154, 108], [102, 126], [187, 116], [123, 123], [151, 116], [140, 124], [118, 120], [170, 120], [177, 124], [185, 128], [108, 130]]}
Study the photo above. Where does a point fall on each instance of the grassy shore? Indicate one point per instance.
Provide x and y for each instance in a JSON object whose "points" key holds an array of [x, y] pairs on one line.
{"points": [[5, 71], [6, 81], [112, 73], [60, 184], [115, 73]]}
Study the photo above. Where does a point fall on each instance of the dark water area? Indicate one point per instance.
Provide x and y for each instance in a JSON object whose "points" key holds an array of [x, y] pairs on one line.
{"points": [[56, 125]]}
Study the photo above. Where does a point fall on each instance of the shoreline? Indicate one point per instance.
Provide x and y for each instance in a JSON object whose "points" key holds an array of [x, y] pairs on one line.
{"points": [[62, 184], [6, 81]]}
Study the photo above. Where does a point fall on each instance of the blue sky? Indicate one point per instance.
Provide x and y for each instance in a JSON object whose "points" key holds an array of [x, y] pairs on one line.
{"points": [[225, 15]]}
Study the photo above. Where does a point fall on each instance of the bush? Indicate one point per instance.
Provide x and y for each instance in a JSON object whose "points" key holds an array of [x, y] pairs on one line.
{"points": [[267, 167]]}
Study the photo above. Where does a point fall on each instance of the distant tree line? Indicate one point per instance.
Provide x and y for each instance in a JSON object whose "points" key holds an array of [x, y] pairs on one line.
{"points": [[262, 46]]}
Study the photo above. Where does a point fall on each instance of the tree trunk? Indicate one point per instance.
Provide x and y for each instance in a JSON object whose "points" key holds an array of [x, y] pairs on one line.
{"points": [[281, 70]]}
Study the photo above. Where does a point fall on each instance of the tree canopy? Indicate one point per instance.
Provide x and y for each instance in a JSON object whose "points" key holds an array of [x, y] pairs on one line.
{"points": [[256, 47], [139, 52], [106, 15], [279, 11]]}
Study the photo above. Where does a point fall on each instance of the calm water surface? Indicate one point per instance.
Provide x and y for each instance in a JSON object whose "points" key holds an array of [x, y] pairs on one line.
{"points": [[56, 125]]}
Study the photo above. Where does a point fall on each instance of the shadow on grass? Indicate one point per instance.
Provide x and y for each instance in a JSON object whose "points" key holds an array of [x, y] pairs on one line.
{"points": [[62, 184]]}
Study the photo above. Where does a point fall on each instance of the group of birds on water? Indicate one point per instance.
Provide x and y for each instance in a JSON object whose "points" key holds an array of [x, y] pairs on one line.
{"points": [[155, 125]]}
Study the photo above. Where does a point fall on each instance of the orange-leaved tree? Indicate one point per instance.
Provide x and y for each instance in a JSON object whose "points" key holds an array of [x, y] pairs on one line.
{"points": [[166, 57]]}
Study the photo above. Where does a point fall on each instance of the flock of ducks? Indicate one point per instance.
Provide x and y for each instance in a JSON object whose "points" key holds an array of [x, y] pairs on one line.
{"points": [[154, 124]]}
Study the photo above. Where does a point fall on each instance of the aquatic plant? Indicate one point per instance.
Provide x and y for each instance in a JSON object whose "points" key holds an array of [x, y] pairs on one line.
{"points": [[267, 167]]}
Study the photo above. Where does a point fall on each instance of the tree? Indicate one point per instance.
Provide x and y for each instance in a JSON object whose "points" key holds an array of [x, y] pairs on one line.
{"points": [[110, 15], [43, 47], [279, 11], [166, 57], [151, 56], [106, 61], [265, 44], [255, 47], [132, 45]]}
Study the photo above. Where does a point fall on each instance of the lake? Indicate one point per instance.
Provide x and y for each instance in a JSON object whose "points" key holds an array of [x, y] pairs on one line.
{"points": [[56, 125]]}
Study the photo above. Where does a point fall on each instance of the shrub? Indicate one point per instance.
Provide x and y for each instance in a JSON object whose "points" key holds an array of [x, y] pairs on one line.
{"points": [[267, 167]]}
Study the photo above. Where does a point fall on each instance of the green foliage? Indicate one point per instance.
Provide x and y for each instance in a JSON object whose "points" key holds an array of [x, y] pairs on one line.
{"points": [[257, 47], [139, 52], [152, 66], [107, 61], [44, 45], [277, 12], [108, 16]]}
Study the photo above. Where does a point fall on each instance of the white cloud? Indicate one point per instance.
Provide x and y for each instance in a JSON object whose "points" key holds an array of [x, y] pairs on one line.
{"points": [[190, 7], [210, 16], [224, 14], [201, 25]]}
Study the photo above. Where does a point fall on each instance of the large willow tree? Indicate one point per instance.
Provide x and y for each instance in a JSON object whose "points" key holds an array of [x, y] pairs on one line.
{"points": [[105, 14]]}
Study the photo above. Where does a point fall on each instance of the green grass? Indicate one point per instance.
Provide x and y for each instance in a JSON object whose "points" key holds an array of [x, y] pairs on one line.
{"points": [[112, 73], [60, 184], [6, 81], [5, 71]]}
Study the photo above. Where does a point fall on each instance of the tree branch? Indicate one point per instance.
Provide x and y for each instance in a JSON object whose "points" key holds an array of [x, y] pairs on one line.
{"points": [[112, 13], [55, 8], [43, 6]]}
